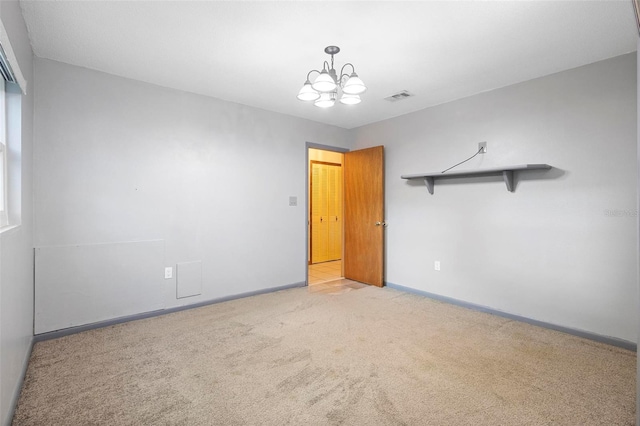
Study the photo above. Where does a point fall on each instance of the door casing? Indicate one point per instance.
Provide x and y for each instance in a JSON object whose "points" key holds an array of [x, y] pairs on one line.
{"points": [[307, 195], [311, 145]]}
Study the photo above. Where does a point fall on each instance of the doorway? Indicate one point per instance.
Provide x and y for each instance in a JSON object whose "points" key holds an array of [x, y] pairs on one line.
{"points": [[362, 226], [325, 218]]}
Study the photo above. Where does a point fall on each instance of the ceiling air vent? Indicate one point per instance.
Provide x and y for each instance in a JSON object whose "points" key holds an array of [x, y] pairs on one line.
{"points": [[399, 96]]}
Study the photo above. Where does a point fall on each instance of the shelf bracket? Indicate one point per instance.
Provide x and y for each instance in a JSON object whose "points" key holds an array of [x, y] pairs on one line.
{"points": [[508, 179], [428, 180]]}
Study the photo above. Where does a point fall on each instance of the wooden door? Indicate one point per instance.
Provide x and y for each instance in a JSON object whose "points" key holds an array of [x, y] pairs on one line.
{"points": [[364, 215]]}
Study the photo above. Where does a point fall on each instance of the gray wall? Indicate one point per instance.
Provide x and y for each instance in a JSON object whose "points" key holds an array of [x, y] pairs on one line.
{"points": [[562, 248], [16, 245], [118, 161], [122, 161]]}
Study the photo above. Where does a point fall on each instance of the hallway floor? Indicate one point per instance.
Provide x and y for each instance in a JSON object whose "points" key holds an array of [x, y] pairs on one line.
{"points": [[339, 286], [326, 278], [326, 271]]}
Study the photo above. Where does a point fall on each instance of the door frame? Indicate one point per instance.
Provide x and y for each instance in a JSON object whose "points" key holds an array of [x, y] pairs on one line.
{"points": [[307, 146]]}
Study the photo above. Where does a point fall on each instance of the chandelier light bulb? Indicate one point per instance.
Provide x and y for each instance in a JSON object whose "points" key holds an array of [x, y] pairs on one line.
{"points": [[307, 93], [350, 99], [354, 86], [326, 100], [324, 82]]}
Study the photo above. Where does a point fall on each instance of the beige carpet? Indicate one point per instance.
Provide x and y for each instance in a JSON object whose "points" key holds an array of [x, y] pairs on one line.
{"points": [[368, 356]]}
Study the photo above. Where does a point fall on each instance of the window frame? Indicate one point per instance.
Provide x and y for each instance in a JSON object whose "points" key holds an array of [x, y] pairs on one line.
{"points": [[4, 195], [14, 87]]}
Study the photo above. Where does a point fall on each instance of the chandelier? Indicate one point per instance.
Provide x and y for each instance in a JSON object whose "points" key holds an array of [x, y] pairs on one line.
{"points": [[324, 90]]}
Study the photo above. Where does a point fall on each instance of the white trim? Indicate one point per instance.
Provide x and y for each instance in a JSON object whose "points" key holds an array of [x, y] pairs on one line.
{"points": [[4, 194], [4, 213], [11, 57], [8, 228]]}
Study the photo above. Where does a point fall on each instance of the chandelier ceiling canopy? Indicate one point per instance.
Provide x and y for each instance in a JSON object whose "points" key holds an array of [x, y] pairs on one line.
{"points": [[324, 90]]}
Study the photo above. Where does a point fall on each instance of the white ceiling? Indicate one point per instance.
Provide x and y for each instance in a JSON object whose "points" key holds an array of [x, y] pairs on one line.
{"points": [[259, 53]]}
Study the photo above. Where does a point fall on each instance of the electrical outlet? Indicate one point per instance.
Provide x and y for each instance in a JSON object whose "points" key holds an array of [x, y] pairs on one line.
{"points": [[436, 265], [482, 147], [168, 272], [293, 201]]}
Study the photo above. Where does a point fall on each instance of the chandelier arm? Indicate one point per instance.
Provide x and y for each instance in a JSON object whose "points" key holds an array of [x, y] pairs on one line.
{"points": [[342, 73], [309, 74]]}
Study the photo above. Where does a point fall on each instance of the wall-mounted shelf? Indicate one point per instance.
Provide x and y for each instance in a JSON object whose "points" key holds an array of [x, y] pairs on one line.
{"points": [[507, 172]]}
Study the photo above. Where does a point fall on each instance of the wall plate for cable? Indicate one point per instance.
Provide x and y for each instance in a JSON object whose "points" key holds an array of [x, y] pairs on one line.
{"points": [[482, 147]]}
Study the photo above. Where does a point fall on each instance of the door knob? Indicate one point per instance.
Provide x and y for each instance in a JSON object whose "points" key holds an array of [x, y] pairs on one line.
{"points": [[381, 223]]}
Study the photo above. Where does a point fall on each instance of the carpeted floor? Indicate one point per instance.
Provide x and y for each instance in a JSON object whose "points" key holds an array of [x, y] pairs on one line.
{"points": [[364, 357]]}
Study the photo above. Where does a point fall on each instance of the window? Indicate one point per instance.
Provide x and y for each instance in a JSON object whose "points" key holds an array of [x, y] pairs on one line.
{"points": [[12, 87], [4, 215]]}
